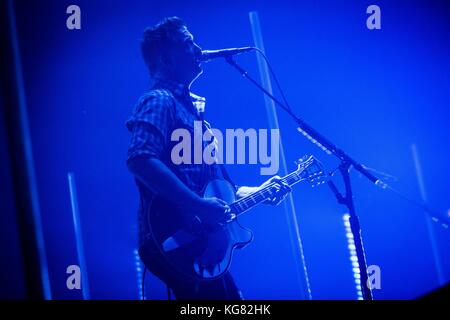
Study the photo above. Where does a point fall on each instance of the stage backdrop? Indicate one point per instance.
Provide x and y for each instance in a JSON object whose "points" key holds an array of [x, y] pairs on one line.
{"points": [[373, 92]]}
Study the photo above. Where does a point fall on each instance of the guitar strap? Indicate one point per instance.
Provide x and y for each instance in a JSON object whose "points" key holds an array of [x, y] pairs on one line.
{"points": [[223, 170], [206, 126]]}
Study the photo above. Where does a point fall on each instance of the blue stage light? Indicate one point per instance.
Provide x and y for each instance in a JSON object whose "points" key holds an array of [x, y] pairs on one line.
{"points": [[353, 257]]}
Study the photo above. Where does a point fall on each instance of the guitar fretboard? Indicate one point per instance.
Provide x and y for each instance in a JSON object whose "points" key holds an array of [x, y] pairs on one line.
{"points": [[248, 202]]}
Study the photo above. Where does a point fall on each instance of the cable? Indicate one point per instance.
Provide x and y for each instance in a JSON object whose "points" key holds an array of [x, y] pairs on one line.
{"points": [[277, 83]]}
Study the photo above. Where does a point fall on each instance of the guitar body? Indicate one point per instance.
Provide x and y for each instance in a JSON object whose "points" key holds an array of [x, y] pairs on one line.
{"points": [[205, 252], [193, 249]]}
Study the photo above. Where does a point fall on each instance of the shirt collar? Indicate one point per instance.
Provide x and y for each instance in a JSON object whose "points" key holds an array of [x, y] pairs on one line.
{"points": [[182, 91], [176, 88]]}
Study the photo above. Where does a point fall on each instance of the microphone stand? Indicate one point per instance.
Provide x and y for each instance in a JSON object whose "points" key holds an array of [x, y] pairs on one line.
{"points": [[346, 163]]}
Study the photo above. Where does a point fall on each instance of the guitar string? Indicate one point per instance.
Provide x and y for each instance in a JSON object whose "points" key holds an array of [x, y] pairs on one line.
{"points": [[244, 204], [254, 196], [252, 199], [258, 196]]}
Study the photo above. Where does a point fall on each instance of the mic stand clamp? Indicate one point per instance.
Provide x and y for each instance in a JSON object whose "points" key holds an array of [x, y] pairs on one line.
{"points": [[347, 200]]}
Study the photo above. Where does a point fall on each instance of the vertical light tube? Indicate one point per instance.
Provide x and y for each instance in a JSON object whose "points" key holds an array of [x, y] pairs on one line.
{"points": [[353, 256], [78, 235], [289, 207], [139, 275], [26, 195], [431, 235]]}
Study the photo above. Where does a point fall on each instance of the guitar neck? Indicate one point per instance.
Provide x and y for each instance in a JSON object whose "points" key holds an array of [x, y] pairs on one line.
{"points": [[244, 204]]}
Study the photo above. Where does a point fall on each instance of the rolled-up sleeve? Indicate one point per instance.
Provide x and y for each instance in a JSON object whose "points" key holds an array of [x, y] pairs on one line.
{"points": [[150, 125]]}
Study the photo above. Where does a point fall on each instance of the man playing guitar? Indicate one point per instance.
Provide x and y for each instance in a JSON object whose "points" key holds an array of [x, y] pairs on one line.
{"points": [[173, 59]]}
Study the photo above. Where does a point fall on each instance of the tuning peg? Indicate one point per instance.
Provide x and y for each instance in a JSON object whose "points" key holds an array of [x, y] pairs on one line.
{"points": [[302, 159]]}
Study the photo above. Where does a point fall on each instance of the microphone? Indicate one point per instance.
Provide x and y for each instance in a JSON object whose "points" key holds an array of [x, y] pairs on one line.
{"points": [[223, 53]]}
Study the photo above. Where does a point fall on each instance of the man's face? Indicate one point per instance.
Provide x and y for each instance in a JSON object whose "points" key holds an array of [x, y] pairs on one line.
{"points": [[185, 57]]}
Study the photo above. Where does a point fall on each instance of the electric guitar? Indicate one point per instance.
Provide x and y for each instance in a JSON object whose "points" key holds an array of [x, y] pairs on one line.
{"points": [[203, 252]]}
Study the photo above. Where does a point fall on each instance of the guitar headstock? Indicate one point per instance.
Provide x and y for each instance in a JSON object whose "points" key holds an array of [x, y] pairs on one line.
{"points": [[310, 169]]}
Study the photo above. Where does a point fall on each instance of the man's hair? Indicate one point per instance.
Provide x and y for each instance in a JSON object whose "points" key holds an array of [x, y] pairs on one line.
{"points": [[157, 41]]}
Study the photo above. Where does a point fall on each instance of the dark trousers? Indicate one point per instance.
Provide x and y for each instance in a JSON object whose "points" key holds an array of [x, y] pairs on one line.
{"points": [[185, 288]]}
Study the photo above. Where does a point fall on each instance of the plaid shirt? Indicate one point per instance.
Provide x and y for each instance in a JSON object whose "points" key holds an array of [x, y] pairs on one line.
{"points": [[166, 107]]}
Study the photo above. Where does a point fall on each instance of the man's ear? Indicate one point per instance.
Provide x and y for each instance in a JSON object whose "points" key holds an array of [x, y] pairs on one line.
{"points": [[162, 61], [166, 62]]}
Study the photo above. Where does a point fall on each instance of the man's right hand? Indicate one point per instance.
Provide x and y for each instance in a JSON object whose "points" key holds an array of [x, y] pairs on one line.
{"points": [[210, 210], [162, 181]]}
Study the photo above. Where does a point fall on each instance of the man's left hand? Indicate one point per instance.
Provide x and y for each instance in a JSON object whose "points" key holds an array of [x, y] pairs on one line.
{"points": [[281, 190]]}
